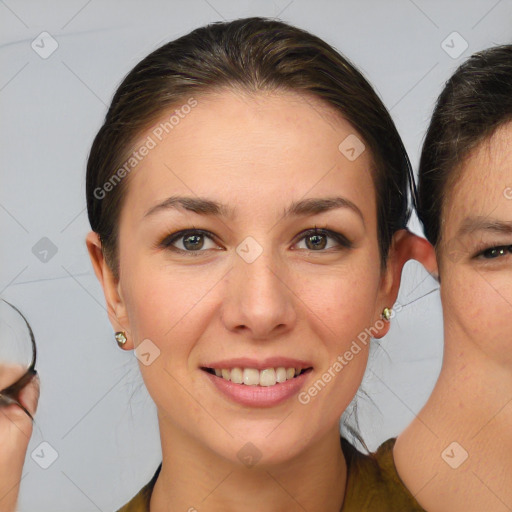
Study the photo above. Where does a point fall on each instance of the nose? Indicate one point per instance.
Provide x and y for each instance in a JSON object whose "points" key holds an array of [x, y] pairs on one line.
{"points": [[259, 298]]}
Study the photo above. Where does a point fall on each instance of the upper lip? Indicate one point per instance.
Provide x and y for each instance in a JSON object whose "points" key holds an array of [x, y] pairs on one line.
{"points": [[258, 364]]}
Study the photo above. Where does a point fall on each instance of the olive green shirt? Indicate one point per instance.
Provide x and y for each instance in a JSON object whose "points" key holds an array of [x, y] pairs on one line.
{"points": [[373, 485]]}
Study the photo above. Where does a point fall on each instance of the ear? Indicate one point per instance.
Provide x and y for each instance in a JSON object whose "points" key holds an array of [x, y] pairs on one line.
{"points": [[116, 308], [404, 247]]}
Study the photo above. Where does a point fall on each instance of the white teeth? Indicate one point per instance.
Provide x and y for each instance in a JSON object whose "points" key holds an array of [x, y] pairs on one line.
{"points": [[267, 377], [254, 377], [281, 374], [251, 377], [237, 376]]}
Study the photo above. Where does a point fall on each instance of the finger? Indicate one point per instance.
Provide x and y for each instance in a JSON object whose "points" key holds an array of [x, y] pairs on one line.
{"points": [[29, 395], [14, 421], [10, 373], [15, 424]]}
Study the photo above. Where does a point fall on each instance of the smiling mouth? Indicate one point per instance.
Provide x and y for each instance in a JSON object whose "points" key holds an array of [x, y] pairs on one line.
{"points": [[255, 377]]}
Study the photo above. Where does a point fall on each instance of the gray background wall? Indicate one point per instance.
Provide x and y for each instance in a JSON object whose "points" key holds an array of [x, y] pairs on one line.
{"points": [[94, 412]]}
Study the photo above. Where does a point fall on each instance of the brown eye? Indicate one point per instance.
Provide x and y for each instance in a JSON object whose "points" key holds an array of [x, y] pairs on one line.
{"points": [[189, 241], [193, 242], [496, 252], [316, 239]]}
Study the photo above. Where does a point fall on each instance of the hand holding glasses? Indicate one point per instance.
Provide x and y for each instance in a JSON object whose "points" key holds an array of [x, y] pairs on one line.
{"points": [[17, 355]]}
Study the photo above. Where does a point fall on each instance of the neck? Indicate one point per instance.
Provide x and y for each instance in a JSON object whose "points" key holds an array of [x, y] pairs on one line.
{"points": [[194, 478], [471, 405]]}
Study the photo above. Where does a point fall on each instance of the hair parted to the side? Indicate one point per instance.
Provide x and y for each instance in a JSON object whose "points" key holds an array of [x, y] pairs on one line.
{"points": [[474, 103], [251, 54]]}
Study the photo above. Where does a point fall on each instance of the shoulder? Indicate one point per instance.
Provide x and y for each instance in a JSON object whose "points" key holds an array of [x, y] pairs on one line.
{"points": [[140, 502], [373, 483]]}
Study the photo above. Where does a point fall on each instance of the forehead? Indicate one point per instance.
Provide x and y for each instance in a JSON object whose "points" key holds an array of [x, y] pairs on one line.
{"points": [[281, 143], [486, 172]]}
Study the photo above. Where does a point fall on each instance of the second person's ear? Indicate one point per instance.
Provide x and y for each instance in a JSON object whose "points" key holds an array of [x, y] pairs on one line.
{"points": [[405, 246]]}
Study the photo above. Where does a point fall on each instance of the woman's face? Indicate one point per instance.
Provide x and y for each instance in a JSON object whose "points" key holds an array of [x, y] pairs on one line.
{"points": [[476, 255], [220, 271]]}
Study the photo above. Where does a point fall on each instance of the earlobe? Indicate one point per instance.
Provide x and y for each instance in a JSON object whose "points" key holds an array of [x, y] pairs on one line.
{"points": [[383, 324], [115, 304]]}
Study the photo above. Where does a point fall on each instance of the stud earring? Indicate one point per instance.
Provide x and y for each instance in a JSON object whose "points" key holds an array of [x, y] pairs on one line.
{"points": [[386, 314], [121, 338]]}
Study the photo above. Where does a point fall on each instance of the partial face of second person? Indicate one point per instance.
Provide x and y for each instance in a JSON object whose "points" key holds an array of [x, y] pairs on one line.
{"points": [[248, 286], [476, 258]]}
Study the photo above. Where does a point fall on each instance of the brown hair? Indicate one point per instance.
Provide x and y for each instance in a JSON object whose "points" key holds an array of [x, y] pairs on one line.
{"points": [[475, 101], [251, 54]]}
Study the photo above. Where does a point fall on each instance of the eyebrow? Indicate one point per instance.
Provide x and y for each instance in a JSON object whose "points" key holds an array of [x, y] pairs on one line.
{"points": [[203, 206], [472, 225]]}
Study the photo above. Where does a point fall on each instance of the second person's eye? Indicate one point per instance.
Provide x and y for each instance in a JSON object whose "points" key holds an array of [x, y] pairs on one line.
{"points": [[495, 252]]}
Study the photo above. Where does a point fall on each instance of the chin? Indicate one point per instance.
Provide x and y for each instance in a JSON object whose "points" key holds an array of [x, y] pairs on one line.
{"points": [[263, 448]]}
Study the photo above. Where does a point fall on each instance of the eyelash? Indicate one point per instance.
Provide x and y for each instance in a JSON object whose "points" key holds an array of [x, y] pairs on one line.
{"points": [[481, 253], [167, 242]]}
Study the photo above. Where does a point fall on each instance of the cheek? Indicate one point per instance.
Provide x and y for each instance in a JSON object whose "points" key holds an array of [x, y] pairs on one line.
{"points": [[173, 311], [480, 304], [164, 303], [342, 314], [160, 301], [343, 304]]}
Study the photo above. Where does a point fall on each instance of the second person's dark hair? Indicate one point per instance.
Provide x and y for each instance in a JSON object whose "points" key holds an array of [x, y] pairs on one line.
{"points": [[475, 101]]}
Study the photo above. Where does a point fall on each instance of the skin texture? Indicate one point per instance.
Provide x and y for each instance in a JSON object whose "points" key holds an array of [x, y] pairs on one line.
{"points": [[472, 400], [257, 154], [15, 433]]}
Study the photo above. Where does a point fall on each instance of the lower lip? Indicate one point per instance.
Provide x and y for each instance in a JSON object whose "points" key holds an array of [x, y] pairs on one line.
{"points": [[258, 396]]}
